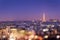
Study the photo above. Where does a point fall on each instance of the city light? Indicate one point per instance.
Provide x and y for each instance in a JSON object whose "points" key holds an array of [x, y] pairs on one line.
{"points": [[46, 36], [44, 30], [4, 36], [58, 36], [36, 37]]}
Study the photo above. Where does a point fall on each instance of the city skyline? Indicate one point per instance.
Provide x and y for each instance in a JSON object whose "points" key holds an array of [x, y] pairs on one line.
{"points": [[29, 9]]}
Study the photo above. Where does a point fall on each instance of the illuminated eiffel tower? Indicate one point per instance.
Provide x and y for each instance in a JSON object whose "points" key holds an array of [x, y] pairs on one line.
{"points": [[44, 18]]}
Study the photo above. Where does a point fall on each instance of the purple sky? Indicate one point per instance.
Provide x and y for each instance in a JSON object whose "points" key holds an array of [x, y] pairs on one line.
{"points": [[29, 9]]}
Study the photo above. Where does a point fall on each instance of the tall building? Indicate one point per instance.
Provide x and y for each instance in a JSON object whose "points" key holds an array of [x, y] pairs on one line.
{"points": [[44, 18]]}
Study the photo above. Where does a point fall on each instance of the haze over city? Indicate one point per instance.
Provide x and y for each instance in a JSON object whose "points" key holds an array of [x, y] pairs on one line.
{"points": [[29, 9]]}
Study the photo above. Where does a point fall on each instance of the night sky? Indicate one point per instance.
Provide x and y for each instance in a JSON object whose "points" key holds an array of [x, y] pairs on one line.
{"points": [[29, 9]]}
